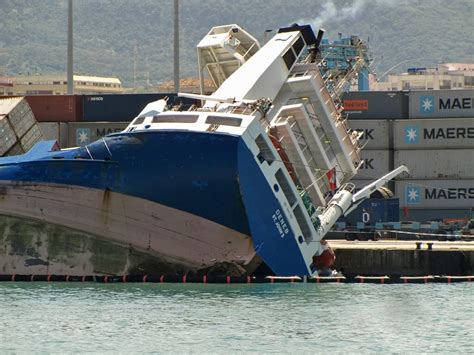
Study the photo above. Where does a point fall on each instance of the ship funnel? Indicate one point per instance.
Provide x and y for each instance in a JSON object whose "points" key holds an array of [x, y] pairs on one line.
{"points": [[306, 32], [319, 38]]}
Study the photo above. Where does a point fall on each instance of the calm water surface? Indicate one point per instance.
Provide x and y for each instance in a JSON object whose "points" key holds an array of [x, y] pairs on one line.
{"points": [[280, 318]]}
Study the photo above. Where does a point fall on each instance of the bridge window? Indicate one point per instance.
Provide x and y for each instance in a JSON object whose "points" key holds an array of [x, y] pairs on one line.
{"points": [[265, 152], [138, 120], [223, 120], [175, 118]]}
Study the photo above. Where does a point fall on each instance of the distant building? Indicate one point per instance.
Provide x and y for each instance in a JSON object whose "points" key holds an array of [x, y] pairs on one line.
{"points": [[189, 85], [444, 76], [57, 85]]}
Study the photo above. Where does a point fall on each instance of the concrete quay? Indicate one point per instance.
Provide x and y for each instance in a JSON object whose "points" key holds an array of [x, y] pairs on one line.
{"points": [[403, 258]]}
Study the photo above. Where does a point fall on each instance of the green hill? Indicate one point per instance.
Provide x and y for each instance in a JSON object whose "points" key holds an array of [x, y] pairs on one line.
{"points": [[112, 37]]}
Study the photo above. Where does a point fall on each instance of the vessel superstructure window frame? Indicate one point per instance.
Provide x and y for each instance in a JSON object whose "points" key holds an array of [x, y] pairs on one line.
{"points": [[175, 118], [289, 58], [265, 153], [224, 120], [285, 187], [303, 224], [138, 120], [298, 46]]}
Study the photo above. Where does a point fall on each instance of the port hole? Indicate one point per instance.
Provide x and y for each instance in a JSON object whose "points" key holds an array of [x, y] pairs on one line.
{"points": [[276, 188]]}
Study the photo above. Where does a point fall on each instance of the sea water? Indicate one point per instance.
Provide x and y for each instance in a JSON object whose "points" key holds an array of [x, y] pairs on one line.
{"points": [[260, 318]]}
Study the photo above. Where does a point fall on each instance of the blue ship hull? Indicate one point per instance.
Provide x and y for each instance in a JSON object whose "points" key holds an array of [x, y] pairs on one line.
{"points": [[212, 176]]}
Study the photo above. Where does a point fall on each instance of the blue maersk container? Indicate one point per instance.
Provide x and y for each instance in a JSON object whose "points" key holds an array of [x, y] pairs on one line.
{"points": [[124, 107]]}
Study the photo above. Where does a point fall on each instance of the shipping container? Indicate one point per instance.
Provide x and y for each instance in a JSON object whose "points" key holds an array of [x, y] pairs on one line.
{"points": [[376, 104], [55, 131], [7, 135], [375, 163], [374, 210], [82, 133], [14, 106], [15, 150], [434, 133], [361, 183], [375, 133], [441, 104], [56, 108], [18, 113], [30, 138], [18, 127], [437, 164], [124, 107], [435, 194], [22, 124]]}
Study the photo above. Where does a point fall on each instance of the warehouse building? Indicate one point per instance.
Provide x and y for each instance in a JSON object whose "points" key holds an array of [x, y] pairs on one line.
{"points": [[57, 85]]}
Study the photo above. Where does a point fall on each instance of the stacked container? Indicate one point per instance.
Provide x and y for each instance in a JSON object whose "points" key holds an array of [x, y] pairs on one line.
{"points": [[377, 160], [432, 132], [377, 155], [441, 104], [75, 120], [83, 133], [367, 105], [124, 107], [440, 155], [18, 128]]}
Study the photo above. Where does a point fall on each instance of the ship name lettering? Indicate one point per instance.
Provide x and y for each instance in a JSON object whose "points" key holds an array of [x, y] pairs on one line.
{"points": [[280, 223]]}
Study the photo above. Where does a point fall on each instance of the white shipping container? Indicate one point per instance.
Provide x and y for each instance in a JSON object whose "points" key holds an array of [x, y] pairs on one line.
{"points": [[437, 164], [375, 133], [16, 106], [434, 133], [435, 194], [375, 163], [15, 150], [361, 183], [82, 133], [441, 103], [7, 135], [22, 124], [30, 138], [55, 131], [18, 113]]}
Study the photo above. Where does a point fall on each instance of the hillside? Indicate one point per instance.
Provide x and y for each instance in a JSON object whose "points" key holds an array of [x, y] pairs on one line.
{"points": [[112, 37]]}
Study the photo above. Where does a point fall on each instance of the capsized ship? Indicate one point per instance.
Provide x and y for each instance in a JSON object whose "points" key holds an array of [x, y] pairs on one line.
{"points": [[242, 181]]}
